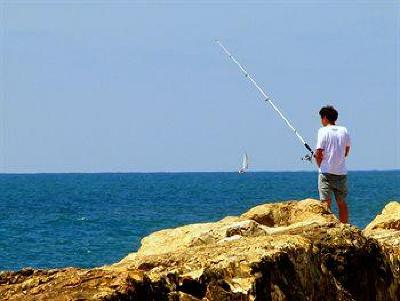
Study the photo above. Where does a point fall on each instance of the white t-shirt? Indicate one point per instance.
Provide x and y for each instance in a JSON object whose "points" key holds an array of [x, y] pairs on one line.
{"points": [[333, 139]]}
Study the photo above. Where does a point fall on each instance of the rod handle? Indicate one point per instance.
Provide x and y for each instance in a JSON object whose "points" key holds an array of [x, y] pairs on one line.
{"points": [[309, 148]]}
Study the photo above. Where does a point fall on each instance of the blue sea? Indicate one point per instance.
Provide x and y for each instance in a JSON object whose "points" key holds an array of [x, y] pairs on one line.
{"points": [[88, 220]]}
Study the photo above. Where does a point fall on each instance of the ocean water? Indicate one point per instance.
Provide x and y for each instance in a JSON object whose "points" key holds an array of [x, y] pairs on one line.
{"points": [[87, 220]]}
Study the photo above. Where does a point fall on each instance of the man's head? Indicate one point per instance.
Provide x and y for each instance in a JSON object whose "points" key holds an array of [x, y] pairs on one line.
{"points": [[328, 115]]}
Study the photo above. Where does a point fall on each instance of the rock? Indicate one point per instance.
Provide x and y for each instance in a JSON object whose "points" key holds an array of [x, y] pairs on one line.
{"points": [[246, 228], [288, 213], [385, 229], [386, 223], [294, 250]]}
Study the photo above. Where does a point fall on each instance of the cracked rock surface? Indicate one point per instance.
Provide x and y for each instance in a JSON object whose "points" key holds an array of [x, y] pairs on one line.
{"points": [[385, 229], [294, 250]]}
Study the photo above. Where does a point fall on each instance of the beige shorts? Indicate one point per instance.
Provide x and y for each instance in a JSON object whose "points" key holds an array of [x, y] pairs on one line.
{"points": [[328, 183]]}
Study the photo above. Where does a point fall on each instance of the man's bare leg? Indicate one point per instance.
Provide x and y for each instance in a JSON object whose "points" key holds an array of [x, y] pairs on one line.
{"points": [[343, 211], [328, 203]]}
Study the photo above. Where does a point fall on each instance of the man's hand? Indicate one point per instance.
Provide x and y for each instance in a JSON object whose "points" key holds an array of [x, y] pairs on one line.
{"points": [[319, 156]]}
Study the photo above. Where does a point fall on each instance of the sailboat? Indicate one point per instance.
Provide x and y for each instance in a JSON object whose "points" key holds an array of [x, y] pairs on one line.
{"points": [[245, 164]]}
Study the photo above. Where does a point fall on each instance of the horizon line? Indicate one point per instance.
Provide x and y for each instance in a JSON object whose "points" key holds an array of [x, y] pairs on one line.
{"points": [[181, 172]]}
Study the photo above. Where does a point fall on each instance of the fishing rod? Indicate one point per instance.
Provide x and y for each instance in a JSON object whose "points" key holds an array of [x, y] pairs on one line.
{"points": [[307, 157]]}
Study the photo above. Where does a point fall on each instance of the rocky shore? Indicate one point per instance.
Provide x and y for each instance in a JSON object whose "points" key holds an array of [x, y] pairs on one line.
{"points": [[295, 250]]}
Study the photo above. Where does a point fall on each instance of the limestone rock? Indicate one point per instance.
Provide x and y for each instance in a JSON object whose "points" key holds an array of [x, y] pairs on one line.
{"points": [[288, 213], [385, 228], [294, 250]]}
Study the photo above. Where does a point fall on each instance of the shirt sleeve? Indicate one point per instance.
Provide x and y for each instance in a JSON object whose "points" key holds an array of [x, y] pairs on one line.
{"points": [[320, 140]]}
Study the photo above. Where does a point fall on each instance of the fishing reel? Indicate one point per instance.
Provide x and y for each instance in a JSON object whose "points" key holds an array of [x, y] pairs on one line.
{"points": [[307, 157]]}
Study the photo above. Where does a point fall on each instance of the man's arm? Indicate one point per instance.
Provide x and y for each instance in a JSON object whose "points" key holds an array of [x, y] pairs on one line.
{"points": [[347, 151], [319, 149], [348, 143], [319, 155]]}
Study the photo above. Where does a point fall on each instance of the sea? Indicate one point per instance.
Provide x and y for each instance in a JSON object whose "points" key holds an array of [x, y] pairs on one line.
{"points": [[88, 220]]}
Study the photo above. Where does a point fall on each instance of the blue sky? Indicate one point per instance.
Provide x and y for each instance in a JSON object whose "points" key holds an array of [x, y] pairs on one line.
{"points": [[123, 86]]}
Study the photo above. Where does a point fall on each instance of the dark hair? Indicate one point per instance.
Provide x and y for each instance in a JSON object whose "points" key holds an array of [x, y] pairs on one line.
{"points": [[329, 112]]}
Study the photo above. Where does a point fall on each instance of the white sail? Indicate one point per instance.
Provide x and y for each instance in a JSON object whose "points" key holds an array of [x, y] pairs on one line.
{"points": [[245, 163]]}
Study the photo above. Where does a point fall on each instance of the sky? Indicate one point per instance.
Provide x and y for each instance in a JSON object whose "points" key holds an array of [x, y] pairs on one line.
{"points": [[120, 86]]}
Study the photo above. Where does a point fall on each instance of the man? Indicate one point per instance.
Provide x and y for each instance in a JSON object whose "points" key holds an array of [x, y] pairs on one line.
{"points": [[333, 147]]}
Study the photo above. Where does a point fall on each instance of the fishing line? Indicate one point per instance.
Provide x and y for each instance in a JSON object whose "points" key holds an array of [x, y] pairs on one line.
{"points": [[267, 99]]}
